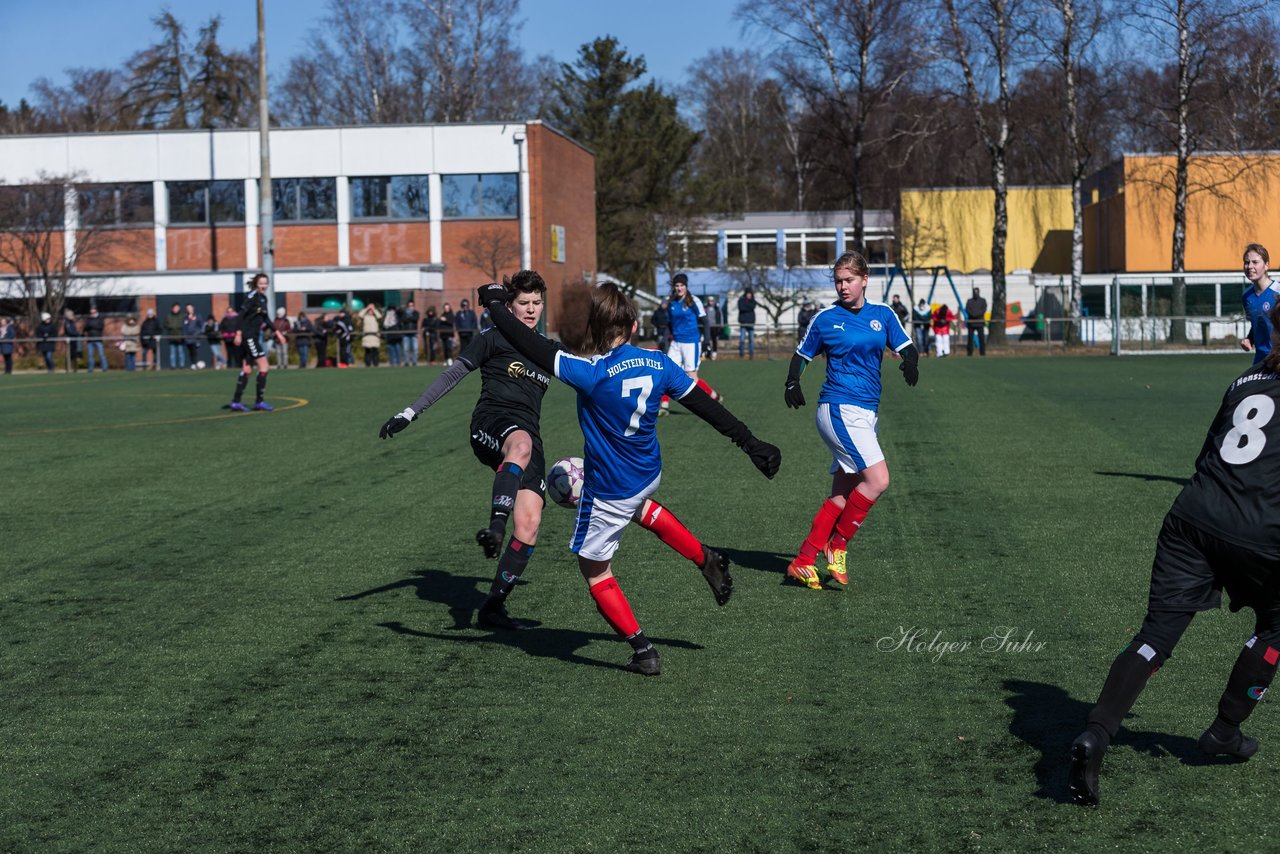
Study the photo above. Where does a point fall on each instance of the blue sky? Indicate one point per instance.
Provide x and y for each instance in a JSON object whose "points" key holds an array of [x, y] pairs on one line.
{"points": [[44, 37]]}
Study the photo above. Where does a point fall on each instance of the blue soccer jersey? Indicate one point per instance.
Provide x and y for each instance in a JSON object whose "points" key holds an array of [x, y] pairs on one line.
{"points": [[1257, 307], [618, 398], [854, 344], [686, 321]]}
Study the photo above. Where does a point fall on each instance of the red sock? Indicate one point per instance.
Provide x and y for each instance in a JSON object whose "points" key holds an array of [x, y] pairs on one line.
{"points": [[856, 508], [711, 393], [666, 401], [614, 607], [825, 519], [671, 531]]}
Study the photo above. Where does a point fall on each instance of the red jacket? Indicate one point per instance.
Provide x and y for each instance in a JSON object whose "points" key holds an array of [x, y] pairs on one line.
{"points": [[942, 320]]}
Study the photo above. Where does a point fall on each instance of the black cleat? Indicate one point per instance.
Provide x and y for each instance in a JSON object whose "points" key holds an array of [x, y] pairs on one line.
{"points": [[496, 617], [1086, 762], [1241, 747], [647, 663], [490, 541], [715, 569]]}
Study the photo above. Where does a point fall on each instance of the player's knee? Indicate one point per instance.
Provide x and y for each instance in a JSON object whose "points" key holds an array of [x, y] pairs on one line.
{"points": [[1160, 633], [519, 449]]}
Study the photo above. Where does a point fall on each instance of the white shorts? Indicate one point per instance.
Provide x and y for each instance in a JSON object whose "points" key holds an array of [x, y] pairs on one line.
{"points": [[600, 522], [850, 433], [685, 355]]}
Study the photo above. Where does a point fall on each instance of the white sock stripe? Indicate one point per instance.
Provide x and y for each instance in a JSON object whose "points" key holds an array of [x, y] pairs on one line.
{"points": [[1250, 642], [1146, 652]]}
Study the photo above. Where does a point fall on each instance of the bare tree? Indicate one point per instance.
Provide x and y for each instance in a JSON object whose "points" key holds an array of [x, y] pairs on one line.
{"points": [[981, 44], [775, 287], [39, 247], [93, 100], [491, 251]]}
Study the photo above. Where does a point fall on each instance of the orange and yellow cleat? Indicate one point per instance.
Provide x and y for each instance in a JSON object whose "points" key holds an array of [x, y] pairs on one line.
{"points": [[806, 574]]}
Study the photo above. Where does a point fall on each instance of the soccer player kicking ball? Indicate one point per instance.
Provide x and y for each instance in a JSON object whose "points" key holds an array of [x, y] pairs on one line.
{"points": [[1223, 531], [619, 389], [254, 317], [853, 334]]}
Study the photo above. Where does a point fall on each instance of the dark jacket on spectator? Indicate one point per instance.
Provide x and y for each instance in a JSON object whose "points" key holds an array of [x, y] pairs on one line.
{"points": [[151, 330], [747, 311], [46, 332], [92, 328]]}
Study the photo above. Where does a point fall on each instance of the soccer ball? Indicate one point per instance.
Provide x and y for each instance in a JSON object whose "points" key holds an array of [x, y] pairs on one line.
{"points": [[564, 481], [200, 365]]}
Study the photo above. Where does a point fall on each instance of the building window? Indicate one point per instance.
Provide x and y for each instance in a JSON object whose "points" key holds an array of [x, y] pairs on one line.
{"points": [[38, 207], [481, 196], [807, 249], [390, 197], [752, 249], [202, 202], [116, 204], [304, 199]]}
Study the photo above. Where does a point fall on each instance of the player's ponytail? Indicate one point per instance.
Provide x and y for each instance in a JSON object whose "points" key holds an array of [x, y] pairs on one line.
{"points": [[1272, 360], [612, 316]]}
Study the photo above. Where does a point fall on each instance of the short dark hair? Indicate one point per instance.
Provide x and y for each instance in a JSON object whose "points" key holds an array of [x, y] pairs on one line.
{"points": [[253, 283], [524, 282]]}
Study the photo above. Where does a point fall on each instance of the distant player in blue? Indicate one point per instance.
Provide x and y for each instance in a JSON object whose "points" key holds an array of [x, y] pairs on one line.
{"points": [[853, 334], [687, 317], [1258, 301], [618, 391]]}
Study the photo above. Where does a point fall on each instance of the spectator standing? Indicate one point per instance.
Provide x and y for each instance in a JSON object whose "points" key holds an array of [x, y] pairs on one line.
{"points": [[943, 317], [430, 327], [976, 323], [92, 329], [46, 339], [282, 328], [807, 312], [486, 321], [343, 330], [129, 342], [192, 330], [214, 339], [921, 317], [715, 317], [466, 324], [151, 332], [371, 335], [173, 335], [228, 326], [8, 334], [323, 330], [72, 334], [747, 306], [409, 318], [661, 321], [900, 310], [445, 329], [391, 332], [303, 333]]}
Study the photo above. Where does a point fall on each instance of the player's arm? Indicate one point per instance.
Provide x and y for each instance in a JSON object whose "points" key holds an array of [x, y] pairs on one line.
{"points": [[764, 456], [794, 395], [444, 384], [533, 346]]}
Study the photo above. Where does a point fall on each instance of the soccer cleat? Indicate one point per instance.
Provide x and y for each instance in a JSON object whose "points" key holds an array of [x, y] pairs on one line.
{"points": [[490, 541], [263, 406], [1241, 747], [1086, 761], [836, 564], [646, 663], [715, 569], [494, 616], [236, 406], [806, 574]]}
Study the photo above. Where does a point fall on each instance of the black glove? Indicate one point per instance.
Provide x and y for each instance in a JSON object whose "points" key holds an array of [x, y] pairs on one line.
{"points": [[793, 395], [764, 456], [910, 372], [491, 293], [396, 423]]}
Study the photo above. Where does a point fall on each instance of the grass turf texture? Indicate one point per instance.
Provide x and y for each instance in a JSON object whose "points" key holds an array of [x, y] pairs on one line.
{"points": [[255, 632]]}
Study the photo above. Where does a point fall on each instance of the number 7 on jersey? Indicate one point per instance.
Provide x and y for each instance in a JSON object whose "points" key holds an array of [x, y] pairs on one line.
{"points": [[645, 386]]}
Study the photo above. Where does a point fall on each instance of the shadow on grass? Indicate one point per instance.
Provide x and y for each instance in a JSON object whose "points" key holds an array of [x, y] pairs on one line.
{"points": [[1149, 478], [460, 594], [757, 560], [1048, 719]]}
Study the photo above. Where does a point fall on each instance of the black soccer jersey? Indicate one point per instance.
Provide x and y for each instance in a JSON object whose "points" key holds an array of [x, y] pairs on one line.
{"points": [[509, 383], [1235, 491], [254, 315]]}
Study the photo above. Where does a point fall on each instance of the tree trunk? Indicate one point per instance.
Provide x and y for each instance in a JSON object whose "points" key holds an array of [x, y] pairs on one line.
{"points": [[1178, 263], [999, 234]]}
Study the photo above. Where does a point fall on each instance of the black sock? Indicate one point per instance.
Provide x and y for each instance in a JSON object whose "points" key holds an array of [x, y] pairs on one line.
{"points": [[241, 382], [511, 566], [506, 483], [1128, 676], [262, 386], [1254, 669], [639, 642]]}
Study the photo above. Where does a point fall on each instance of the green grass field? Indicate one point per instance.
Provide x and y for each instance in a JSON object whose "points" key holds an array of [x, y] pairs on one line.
{"points": [[254, 632]]}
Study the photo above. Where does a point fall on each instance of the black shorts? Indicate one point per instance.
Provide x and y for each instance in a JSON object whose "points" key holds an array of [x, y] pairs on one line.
{"points": [[1192, 568], [251, 349], [487, 436]]}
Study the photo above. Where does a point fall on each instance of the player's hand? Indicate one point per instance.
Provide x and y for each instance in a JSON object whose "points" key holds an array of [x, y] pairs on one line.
{"points": [[396, 423], [794, 396], [910, 372], [1246, 344], [239, 339], [492, 293], [764, 456]]}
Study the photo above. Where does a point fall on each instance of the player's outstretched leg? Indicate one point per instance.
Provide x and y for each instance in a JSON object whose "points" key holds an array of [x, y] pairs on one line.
{"points": [[802, 569], [856, 508], [616, 610], [506, 483], [493, 613], [654, 517], [1250, 677]]}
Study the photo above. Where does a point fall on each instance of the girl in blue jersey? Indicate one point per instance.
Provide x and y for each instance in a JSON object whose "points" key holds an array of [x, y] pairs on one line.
{"points": [[618, 387], [853, 334], [686, 316], [1258, 301]]}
